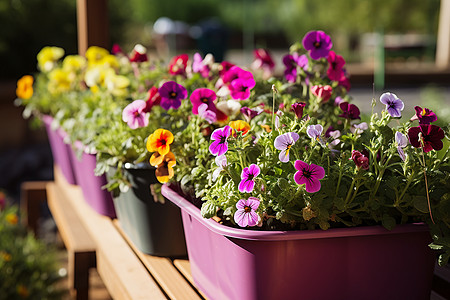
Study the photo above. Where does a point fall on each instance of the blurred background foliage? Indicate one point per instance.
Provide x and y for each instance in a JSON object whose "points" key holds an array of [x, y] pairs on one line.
{"points": [[28, 25]]}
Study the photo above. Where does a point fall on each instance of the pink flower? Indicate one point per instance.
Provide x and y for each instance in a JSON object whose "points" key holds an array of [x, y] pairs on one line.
{"points": [[245, 214], [200, 96], [134, 115], [247, 178], [308, 175], [322, 91], [336, 64]]}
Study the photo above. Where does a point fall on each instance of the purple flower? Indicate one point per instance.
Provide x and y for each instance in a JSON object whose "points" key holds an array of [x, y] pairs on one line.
{"points": [[249, 113], [209, 115], [424, 115], [203, 96], [171, 95], [245, 214], [358, 128], [284, 143], [298, 109], [318, 43], [221, 162], [394, 105], [291, 62], [134, 114], [402, 142], [314, 131], [240, 88], [350, 111], [308, 175], [247, 178], [220, 144], [427, 136]]}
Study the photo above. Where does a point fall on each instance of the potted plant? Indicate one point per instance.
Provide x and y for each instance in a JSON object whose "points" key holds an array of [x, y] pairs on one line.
{"points": [[285, 188]]}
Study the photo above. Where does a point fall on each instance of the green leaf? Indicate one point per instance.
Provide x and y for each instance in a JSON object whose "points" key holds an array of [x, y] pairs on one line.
{"points": [[420, 203], [208, 209], [388, 222]]}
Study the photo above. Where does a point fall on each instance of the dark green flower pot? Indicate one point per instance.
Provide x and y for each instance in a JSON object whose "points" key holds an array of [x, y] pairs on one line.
{"points": [[155, 228]]}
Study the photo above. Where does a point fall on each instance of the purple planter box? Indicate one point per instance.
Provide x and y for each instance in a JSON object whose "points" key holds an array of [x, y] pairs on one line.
{"points": [[99, 199], [61, 151], [348, 263]]}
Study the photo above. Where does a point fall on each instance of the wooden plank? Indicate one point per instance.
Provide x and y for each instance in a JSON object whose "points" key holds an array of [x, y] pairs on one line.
{"points": [[443, 38], [32, 195], [120, 269], [164, 272], [184, 267]]}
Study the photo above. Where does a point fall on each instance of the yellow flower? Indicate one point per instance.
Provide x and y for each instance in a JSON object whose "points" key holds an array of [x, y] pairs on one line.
{"points": [[5, 256], [240, 125], [48, 57], [25, 87], [22, 291], [12, 218], [160, 141], [156, 159], [96, 75], [74, 63], [165, 169], [60, 80], [95, 55], [110, 61], [117, 84]]}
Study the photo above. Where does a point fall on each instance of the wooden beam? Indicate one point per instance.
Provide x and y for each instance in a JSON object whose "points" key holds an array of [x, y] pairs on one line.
{"points": [[93, 24], [443, 38]]}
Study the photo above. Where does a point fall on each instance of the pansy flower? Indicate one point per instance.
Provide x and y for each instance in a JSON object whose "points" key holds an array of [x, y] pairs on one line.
{"points": [[318, 43], [221, 162], [164, 171], [245, 214], [308, 175], [360, 160], [240, 126], [209, 115], [350, 111], [336, 64], [219, 146], [402, 142], [394, 105], [298, 109], [177, 65], [424, 115], [358, 128], [48, 56], [160, 141], [249, 113], [24, 88], [171, 95], [134, 115], [314, 131], [322, 91], [153, 98], [200, 96], [284, 143], [427, 136], [248, 178]]}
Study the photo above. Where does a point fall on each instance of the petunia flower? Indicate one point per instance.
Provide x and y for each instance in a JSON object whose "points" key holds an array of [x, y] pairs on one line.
{"points": [[203, 96], [164, 171], [24, 88], [153, 98], [249, 113], [360, 160], [350, 111], [318, 43], [139, 54], [219, 146], [427, 136], [221, 162], [284, 143], [134, 115], [424, 115], [177, 65], [402, 142], [229, 107], [298, 109], [240, 126], [48, 56], [160, 141], [394, 105], [245, 214], [247, 178], [263, 60], [209, 115], [336, 64], [240, 88], [322, 91], [202, 66], [314, 131], [171, 95], [308, 175]]}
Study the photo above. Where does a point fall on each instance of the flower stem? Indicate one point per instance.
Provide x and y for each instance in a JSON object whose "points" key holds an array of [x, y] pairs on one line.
{"points": [[273, 106], [426, 186]]}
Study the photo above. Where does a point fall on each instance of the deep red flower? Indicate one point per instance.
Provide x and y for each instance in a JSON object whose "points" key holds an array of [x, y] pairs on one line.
{"points": [[430, 137], [350, 111], [361, 161], [263, 58], [153, 98], [298, 109], [178, 64], [424, 115], [139, 54]]}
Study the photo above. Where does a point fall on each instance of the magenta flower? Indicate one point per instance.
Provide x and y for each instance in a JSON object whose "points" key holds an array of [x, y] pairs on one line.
{"points": [[394, 105], [314, 131], [247, 178], [284, 143], [200, 96], [249, 113], [427, 136], [199, 66], [236, 72], [240, 88], [263, 60], [209, 115], [308, 175], [318, 43], [245, 214], [424, 115], [402, 142], [350, 111], [220, 144], [291, 62], [298, 109], [360, 160], [134, 114], [171, 95], [336, 64]]}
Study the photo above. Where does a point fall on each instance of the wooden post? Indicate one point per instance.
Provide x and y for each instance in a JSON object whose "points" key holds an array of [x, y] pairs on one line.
{"points": [[443, 38], [93, 25]]}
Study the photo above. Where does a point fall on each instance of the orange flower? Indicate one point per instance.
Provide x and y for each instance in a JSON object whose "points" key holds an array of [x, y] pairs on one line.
{"points": [[156, 159], [240, 125], [12, 219], [160, 141], [165, 171], [22, 291], [25, 87]]}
